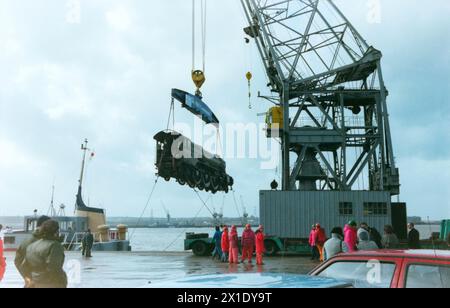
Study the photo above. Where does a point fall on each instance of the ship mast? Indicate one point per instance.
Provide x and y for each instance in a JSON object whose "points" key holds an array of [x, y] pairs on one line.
{"points": [[80, 203], [84, 148]]}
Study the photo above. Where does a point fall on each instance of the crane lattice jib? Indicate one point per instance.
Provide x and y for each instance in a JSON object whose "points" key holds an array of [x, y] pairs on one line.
{"points": [[309, 44], [320, 65]]}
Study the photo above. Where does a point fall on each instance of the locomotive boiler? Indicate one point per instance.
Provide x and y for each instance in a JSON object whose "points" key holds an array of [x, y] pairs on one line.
{"points": [[189, 164]]}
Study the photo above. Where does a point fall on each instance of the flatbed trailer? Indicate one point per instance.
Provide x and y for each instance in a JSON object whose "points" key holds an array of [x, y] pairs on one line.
{"points": [[203, 245]]}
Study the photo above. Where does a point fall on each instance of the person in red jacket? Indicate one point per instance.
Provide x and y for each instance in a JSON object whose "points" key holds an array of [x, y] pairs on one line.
{"points": [[260, 248], [225, 244], [320, 239], [2, 261], [312, 243], [234, 246], [248, 244]]}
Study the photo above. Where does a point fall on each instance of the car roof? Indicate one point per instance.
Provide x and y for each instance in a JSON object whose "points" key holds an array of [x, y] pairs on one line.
{"points": [[435, 254], [252, 280]]}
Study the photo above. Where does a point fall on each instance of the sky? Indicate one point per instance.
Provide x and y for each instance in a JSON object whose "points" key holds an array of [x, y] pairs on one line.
{"points": [[103, 70]]}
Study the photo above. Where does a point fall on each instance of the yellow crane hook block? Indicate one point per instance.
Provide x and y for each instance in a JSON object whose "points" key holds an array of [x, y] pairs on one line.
{"points": [[249, 77], [198, 77]]}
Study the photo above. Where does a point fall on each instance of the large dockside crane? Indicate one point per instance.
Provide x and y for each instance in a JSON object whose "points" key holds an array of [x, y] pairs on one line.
{"points": [[324, 69], [330, 114]]}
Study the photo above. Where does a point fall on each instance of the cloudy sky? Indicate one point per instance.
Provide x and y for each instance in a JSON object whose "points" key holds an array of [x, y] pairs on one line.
{"points": [[104, 71]]}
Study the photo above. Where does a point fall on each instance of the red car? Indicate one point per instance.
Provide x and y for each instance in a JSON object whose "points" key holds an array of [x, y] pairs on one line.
{"points": [[390, 269]]}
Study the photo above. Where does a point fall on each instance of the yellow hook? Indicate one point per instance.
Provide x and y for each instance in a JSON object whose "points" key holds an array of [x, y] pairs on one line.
{"points": [[198, 77]]}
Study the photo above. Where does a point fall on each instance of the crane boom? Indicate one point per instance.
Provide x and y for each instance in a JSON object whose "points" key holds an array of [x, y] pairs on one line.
{"points": [[317, 62]]}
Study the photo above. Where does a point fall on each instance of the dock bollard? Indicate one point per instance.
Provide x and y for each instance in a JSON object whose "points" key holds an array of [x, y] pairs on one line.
{"points": [[122, 232], [103, 230]]}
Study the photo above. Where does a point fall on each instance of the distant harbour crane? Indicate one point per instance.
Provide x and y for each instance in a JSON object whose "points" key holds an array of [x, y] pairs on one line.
{"points": [[167, 213], [51, 211], [245, 214]]}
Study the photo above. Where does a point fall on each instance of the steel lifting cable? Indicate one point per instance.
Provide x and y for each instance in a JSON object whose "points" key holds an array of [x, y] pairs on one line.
{"points": [[171, 114], [184, 231], [145, 208], [204, 202], [237, 207], [204, 205], [203, 17], [193, 35], [219, 149], [203, 21]]}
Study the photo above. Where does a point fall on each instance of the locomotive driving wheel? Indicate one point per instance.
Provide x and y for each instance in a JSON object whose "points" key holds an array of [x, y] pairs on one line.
{"points": [[215, 186], [197, 176], [207, 181], [201, 185]]}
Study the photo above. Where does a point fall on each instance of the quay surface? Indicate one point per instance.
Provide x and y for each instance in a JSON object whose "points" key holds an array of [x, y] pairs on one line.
{"points": [[138, 269]]}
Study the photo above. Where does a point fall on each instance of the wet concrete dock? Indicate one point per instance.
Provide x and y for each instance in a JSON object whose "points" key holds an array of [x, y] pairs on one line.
{"points": [[134, 270]]}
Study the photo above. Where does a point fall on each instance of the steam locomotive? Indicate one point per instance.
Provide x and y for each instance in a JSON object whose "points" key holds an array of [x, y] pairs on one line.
{"points": [[179, 158]]}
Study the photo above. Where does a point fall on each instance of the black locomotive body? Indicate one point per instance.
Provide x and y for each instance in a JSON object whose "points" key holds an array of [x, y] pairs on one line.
{"points": [[179, 158]]}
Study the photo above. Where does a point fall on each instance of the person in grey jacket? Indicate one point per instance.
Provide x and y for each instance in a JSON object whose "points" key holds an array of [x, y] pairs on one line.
{"points": [[335, 245], [374, 235], [390, 240], [45, 259], [364, 242], [22, 250]]}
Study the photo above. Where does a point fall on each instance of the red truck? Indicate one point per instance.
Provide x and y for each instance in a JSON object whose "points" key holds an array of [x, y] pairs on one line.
{"points": [[390, 269]]}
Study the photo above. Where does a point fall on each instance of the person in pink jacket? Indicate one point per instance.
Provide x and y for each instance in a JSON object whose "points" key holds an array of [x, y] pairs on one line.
{"points": [[351, 236], [2, 261], [312, 243], [234, 246]]}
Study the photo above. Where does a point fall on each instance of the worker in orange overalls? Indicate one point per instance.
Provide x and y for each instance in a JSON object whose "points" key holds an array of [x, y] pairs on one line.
{"points": [[225, 244], [234, 246], [260, 248], [248, 244], [320, 239]]}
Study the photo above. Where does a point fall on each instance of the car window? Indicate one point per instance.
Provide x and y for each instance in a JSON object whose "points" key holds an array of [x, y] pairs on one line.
{"points": [[428, 276], [362, 274]]}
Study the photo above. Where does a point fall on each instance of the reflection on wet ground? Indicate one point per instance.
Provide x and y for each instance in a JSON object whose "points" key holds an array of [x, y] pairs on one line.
{"points": [[130, 270]]}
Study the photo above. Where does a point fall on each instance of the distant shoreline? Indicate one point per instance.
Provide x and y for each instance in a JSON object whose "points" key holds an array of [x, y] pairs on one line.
{"points": [[16, 222], [118, 218]]}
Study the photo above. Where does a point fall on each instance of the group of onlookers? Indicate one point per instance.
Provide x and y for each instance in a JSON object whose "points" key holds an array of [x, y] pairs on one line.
{"points": [[226, 244], [40, 259], [353, 238]]}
